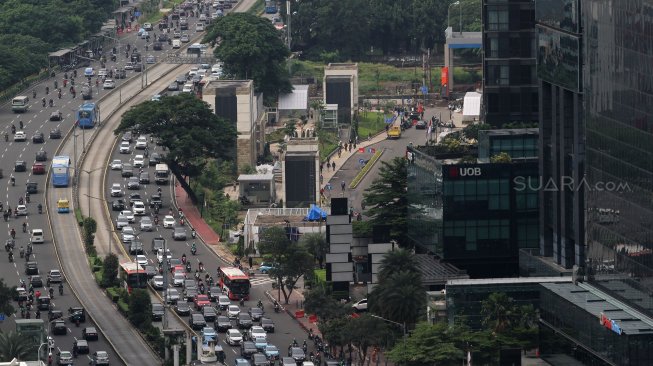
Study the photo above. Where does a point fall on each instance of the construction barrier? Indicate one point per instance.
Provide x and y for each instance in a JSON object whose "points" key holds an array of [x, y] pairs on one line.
{"points": [[299, 314]]}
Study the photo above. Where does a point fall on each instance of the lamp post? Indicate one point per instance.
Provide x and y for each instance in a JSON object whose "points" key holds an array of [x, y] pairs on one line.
{"points": [[449, 14], [111, 231], [88, 172], [401, 325]]}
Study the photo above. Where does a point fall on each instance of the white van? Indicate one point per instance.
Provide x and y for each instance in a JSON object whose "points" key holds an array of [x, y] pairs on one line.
{"points": [[199, 27], [20, 104], [36, 236], [176, 43]]}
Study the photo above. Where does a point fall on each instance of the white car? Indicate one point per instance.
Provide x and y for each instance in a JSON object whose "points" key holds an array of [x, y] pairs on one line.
{"points": [[233, 337], [193, 71], [141, 260], [257, 331], [116, 165], [147, 26], [188, 88], [233, 311], [141, 143], [216, 67], [128, 234], [139, 161], [169, 221], [223, 301], [129, 215], [102, 73], [360, 305], [146, 224], [109, 84], [139, 208], [157, 282], [20, 136], [178, 279], [21, 210], [125, 148], [116, 190], [159, 255]]}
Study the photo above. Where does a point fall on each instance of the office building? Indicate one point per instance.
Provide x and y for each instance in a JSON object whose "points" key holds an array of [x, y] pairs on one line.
{"points": [[510, 91], [340, 86], [301, 172]]}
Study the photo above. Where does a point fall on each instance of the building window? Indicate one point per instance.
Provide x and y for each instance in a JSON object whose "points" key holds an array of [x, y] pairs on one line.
{"points": [[499, 74], [497, 18], [494, 48]]}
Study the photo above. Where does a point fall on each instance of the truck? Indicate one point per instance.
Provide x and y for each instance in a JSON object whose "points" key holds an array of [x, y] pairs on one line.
{"points": [[161, 174]]}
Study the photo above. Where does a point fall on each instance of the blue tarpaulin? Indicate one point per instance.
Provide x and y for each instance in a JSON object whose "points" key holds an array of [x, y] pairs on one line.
{"points": [[315, 214]]}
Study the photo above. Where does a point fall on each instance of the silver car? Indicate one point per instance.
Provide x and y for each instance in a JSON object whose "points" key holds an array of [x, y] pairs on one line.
{"points": [[172, 295], [146, 223], [179, 233]]}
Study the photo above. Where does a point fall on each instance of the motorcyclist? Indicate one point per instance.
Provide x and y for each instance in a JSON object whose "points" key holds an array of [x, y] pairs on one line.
{"points": [[6, 136], [51, 103], [43, 101], [25, 226], [13, 233], [193, 233], [27, 197], [13, 129], [183, 258], [21, 251], [260, 304], [51, 291], [60, 289], [13, 180], [20, 123], [11, 256], [188, 267], [193, 248], [47, 90], [40, 206], [59, 93], [242, 301], [201, 266], [34, 93]]}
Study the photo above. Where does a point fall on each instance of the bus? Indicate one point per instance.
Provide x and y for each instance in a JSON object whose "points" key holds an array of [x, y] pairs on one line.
{"points": [[60, 171], [235, 282], [270, 7], [88, 115], [132, 275]]}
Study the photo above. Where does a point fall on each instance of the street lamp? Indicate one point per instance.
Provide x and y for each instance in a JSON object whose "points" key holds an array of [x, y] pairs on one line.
{"points": [[401, 325], [88, 172], [111, 231], [460, 6]]}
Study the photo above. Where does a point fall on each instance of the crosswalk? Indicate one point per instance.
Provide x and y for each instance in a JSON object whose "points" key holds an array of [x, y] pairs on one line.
{"points": [[259, 281]]}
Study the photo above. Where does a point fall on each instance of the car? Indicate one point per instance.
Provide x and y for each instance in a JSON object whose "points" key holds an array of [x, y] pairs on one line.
{"points": [[127, 170], [117, 205], [179, 233], [54, 276], [155, 158], [141, 143], [121, 222], [59, 327], [20, 166], [201, 301], [31, 268], [134, 197], [360, 305], [128, 234], [260, 342], [297, 353], [233, 311], [173, 86], [108, 84], [209, 313], [20, 136], [139, 161], [196, 321], [150, 59], [133, 183], [157, 46], [116, 190], [151, 271], [21, 294], [64, 358], [38, 168], [244, 321], [141, 260], [256, 313], [158, 244], [209, 332], [135, 247], [259, 359], [178, 279], [155, 200], [41, 155], [223, 323], [156, 98], [420, 125], [182, 308], [21, 210], [146, 224], [144, 178], [36, 281], [265, 267], [163, 37], [176, 34], [129, 66], [147, 26], [234, 337], [267, 324], [169, 221], [144, 34], [116, 164], [102, 72], [190, 283], [271, 352], [157, 311], [129, 215], [181, 79], [214, 292], [120, 73], [184, 38], [56, 116], [100, 358], [157, 282], [190, 293], [247, 349], [125, 147], [90, 334], [161, 253], [256, 331], [241, 362], [187, 88], [82, 346]]}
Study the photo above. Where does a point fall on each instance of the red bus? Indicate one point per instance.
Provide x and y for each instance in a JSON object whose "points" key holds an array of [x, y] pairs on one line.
{"points": [[235, 282], [132, 275]]}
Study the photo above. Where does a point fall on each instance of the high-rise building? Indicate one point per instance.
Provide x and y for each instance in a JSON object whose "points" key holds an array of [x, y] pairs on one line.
{"points": [[510, 91]]}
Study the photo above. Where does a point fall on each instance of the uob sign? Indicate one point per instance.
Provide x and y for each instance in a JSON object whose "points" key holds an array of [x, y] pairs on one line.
{"points": [[464, 172]]}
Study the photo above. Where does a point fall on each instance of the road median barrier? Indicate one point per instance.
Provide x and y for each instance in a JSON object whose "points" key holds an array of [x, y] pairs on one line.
{"points": [[366, 169]]}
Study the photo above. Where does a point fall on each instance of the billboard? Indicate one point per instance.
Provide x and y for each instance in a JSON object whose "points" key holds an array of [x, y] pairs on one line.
{"points": [[558, 58], [561, 14]]}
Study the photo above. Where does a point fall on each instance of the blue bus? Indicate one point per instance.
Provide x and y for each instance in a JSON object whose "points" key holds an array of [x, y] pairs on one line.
{"points": [[60, 171], [270, 7], [88, 115]]}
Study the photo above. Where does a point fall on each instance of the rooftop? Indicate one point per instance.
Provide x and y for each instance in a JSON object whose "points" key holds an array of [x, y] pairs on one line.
{"points": [[436, 272], [255, 177], [220, 84], [342, 66], [512, 132]]}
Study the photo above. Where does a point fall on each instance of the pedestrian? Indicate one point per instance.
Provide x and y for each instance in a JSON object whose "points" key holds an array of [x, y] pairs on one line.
{"points": [[339, 152], [321, 166], [342, 185], [333, 166], [321, 178]]}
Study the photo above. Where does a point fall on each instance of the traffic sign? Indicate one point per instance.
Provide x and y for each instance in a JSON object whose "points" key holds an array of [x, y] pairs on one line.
{"points": [[328, 186], [424, 89], [2, 317]]}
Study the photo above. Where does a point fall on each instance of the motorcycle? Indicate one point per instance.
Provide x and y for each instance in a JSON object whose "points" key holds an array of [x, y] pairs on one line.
{"points": [[260, 304], [61, 289], [40, 208], [43, 102], [276, 307], [51, 103], [22, 252], [201, 267], [6, 137], [13, 233], [193, 234], [13, 181], [11, 257], [193, 250]]}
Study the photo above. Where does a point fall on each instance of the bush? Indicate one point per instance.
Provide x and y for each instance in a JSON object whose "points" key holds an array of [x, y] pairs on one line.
{"points": [[79, 217], [98, 276], [113, 293], [123, 307]]}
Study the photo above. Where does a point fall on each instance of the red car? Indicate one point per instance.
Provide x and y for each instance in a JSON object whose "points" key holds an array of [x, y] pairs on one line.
{"points": [[201, 301], [38, 168]]}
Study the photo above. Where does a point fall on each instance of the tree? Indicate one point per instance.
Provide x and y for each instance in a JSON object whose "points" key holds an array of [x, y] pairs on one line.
{"points": [[187, 127], [15, 345], [317, 245], [292, 260], [397, 261], [502, 157], [110, 270], [140, 309], [386, 198], [516, 325], [400, 297], [289, 128], [7, 295], [367, 331], [319, 302], [251, 48], [437, 344], [471, 132]]}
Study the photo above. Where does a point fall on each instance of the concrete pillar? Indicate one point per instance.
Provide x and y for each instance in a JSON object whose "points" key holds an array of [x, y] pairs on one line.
{"points": [[175, 355], [189, 345]]}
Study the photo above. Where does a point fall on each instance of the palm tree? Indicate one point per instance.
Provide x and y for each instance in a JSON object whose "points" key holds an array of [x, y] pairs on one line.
{"points": [[395, 262], [14, 345], [499, 312], [400, 298]]}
